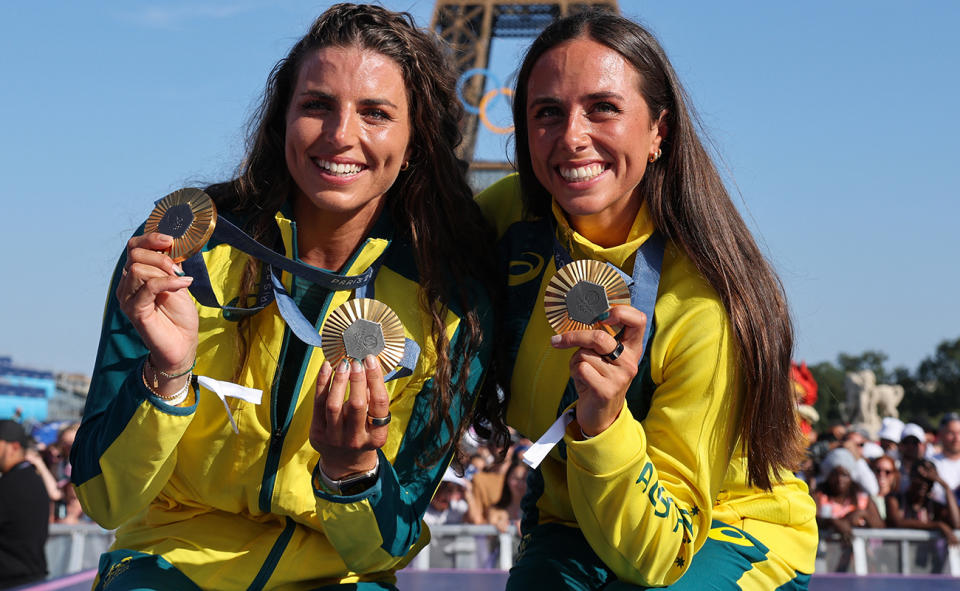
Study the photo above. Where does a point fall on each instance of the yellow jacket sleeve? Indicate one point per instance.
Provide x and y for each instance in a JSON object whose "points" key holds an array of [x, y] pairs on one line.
{"points": [[126, 447], [643, 492]]}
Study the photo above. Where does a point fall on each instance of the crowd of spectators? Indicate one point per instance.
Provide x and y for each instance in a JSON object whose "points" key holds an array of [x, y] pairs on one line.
{"points": [[35, 491], [488, 492], [907, 476]]}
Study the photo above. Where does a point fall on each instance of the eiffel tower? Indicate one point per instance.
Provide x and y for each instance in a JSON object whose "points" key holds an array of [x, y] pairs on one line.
{"points": [[470, 26]]}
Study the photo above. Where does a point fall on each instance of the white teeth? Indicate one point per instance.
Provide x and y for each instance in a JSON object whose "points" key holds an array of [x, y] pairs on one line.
{"points": [[581, 173], [338, 168]]}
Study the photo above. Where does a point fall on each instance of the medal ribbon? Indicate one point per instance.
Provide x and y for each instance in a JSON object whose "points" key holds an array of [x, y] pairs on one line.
{"points": [[271, 289]]}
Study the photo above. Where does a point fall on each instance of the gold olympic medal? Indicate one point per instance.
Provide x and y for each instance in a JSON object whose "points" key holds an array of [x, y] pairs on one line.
{"points": [[580, 292], [362, 327], [189, 216]]}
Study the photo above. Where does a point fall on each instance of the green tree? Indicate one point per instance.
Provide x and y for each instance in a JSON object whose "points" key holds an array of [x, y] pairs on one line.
{"points": [[939, 376], [830, 394], [872, 360], [916, 402]]}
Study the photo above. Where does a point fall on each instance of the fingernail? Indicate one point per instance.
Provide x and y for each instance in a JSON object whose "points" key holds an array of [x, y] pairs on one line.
{"points": [[178, 270], [165, 238], [555, 340], [355, 366], [602, 317], [370, 361], [188, 280], [344, 365]]}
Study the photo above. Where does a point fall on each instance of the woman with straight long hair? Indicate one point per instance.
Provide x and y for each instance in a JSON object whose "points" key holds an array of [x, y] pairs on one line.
{"points": [[351, 173], [677, 416]]}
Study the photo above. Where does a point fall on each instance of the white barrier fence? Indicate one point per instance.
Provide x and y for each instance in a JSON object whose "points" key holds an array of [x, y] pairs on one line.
{"points": [[467, 546], [72, 548], [903, 551]]}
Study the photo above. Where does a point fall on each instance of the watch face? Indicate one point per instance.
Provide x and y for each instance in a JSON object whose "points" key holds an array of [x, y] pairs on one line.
{"points": [[349, 485], [357, 485]]}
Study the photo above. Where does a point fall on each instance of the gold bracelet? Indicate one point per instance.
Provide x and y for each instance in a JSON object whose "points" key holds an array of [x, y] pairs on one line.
{"points": [[169, 376], [171, 399]]}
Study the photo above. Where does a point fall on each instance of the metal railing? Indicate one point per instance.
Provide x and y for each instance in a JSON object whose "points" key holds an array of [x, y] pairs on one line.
{"points": [[904, 537], [467, 547], [75, 547]]}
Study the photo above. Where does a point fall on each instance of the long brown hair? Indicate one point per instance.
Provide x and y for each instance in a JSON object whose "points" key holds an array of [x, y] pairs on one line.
{"points": [[430, 203], [690, 206]]}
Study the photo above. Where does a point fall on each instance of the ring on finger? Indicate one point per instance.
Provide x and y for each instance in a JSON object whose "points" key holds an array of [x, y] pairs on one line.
{"points": [[615, 354], [379, 421]]}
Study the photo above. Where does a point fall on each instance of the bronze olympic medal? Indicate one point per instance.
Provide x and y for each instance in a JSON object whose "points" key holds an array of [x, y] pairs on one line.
{"points": [[580, 292], [362, 327], [189, 216]]}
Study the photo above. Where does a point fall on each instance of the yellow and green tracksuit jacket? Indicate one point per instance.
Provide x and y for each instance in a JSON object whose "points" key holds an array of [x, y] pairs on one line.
{"points": [[645, 491], [241, 511]]}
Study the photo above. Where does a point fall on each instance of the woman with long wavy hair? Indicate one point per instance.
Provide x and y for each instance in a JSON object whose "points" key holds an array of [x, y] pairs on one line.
{"points": [[351, 172], [674, 418]]}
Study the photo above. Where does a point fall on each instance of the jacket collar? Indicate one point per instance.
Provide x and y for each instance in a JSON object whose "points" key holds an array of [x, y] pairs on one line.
{"points": [[580, 247], [368, 251]]}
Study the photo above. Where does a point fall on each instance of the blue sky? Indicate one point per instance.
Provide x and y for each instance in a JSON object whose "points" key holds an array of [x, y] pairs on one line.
{"points": [[836, 121]]}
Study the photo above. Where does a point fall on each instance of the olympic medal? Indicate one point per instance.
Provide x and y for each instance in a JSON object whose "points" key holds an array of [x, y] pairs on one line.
{"points": [[580, 292], [362, 327], [189, 216]]}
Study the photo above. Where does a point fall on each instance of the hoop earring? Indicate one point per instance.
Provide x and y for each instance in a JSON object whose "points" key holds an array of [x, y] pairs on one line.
{"points": [[656, 156], [406, 165]]}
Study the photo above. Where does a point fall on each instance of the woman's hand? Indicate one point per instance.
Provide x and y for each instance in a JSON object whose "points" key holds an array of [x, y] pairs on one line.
{"points": [[930, 473], [950, 536], [857, 518], [340, 431], [501, 520], [602, 383], [845, 529], [158, 304]]}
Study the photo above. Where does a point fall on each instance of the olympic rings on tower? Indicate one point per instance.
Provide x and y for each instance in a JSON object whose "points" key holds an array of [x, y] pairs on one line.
{"points": [[481, 109]]}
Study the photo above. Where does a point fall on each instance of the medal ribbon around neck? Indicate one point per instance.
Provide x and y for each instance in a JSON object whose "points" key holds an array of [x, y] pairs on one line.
{"points": [[190, 217]]}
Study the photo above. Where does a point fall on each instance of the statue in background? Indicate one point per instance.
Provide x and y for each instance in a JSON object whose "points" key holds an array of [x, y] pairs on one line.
{"points": [[868, 402]]}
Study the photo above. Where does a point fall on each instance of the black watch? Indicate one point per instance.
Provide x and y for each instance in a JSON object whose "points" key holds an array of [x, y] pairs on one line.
{"points": [[353, 484]]}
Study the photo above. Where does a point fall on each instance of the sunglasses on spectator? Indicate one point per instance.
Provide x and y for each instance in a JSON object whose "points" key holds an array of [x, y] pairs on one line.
{"points": [[882, 471]]}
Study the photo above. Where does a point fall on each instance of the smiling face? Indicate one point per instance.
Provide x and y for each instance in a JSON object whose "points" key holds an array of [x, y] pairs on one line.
{"points": [[347, 129], [886, 471], [590, 134]]}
